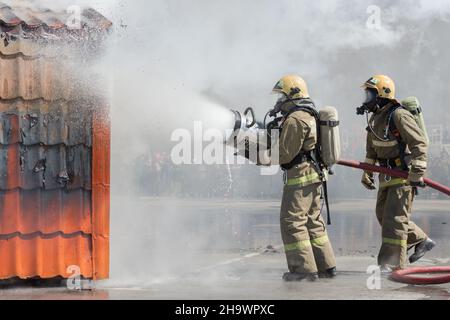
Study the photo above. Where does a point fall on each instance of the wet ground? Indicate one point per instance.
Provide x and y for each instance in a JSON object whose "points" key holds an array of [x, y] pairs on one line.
{"points": [[193, 249], [246, 276]]}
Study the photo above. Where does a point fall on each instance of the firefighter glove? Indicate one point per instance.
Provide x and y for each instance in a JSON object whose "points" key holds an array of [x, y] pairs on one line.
{"points": [[368, 180]]}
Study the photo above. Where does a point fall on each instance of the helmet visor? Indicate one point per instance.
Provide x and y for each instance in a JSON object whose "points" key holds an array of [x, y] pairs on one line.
{"points": [[370, 95], [280, 96]]}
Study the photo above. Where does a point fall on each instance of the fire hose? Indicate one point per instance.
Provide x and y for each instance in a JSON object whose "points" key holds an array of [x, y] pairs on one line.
{"points": [[393, 173], [409, 275]]}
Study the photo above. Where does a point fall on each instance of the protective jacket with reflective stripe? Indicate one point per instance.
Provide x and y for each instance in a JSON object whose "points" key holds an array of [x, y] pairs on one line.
{"points": [[298, 134]]}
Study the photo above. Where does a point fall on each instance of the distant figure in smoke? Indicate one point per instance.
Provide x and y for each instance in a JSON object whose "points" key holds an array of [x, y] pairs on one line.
{"points": [[308, 250], [395, 140]]}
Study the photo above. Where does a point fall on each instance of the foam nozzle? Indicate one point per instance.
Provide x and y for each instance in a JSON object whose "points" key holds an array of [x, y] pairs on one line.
{"points": [[250, 119], [237, 120], [244, 125], [244, 120]]}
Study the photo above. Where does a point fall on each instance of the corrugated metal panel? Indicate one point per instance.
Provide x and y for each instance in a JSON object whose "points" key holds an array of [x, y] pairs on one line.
{"points": [[49, 217], [34, 211], [46, 256]]}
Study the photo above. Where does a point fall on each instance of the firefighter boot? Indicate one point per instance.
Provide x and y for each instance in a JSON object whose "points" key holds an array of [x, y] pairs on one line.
{"points": [[329, 273], [422, 248]]}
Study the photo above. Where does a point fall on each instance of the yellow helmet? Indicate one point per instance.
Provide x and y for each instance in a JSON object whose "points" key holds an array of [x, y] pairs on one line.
{"points": [[294, 87], [384, 86]]}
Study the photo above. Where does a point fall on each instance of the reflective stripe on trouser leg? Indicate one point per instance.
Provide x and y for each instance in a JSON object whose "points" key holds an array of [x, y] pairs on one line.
{"points": [[293, 218], [394, 204], [296, 255], [299, 245], [393, 253], [395, 242], [321, 245], [321, 241]]}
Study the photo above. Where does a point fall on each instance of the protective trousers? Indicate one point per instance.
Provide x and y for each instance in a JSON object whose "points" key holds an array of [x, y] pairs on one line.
{"points": [[394, 205], [303, 230]]}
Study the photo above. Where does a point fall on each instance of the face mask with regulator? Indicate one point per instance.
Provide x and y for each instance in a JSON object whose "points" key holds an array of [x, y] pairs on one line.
{"points": [[282, 100], [372, 105]]}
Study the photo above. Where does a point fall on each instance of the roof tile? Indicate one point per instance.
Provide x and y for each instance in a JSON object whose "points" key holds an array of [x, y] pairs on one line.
{"points": [[31, 15], [48, 211], [25, 256], [47, 167], [47, 123], [41, 78]]}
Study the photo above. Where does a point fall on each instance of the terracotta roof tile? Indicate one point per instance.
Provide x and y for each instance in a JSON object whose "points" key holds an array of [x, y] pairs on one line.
{"points": [[55, 167], [40, 78], [46, 256], [32, 211], [50, 123], [31, 15]]}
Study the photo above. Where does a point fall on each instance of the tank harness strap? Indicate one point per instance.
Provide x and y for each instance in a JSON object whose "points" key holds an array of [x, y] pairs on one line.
{"points": [[396, 133], [315, 154], [329, 123], [300, 158]]}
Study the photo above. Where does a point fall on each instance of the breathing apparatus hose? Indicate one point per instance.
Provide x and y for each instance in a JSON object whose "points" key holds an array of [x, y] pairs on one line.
{"points": [[373, 131]]}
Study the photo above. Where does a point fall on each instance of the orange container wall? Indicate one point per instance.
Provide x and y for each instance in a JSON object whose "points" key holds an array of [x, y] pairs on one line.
{"points": [[54, 157], [101, 145]]}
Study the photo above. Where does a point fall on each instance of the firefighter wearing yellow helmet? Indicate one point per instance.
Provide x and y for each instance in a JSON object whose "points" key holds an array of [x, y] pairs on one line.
{"points": [[308, 249], [394, 140], [292, 86], [383, 85]]}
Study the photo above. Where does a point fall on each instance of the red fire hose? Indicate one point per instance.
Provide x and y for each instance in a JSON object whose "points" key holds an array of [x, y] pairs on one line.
{"points": [[408, 275], [393, 173]]}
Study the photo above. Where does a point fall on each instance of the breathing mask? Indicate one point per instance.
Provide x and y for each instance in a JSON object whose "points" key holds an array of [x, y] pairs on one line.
{"points": [[370, 103], [281, 99]]}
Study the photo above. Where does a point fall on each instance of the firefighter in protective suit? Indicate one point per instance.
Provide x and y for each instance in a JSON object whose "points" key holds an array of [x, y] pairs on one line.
{"points": [[395, 140], [308, 249]]}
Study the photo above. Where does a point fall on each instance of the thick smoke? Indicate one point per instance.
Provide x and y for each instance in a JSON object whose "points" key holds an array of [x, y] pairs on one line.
{"points": [[234, 51]]}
